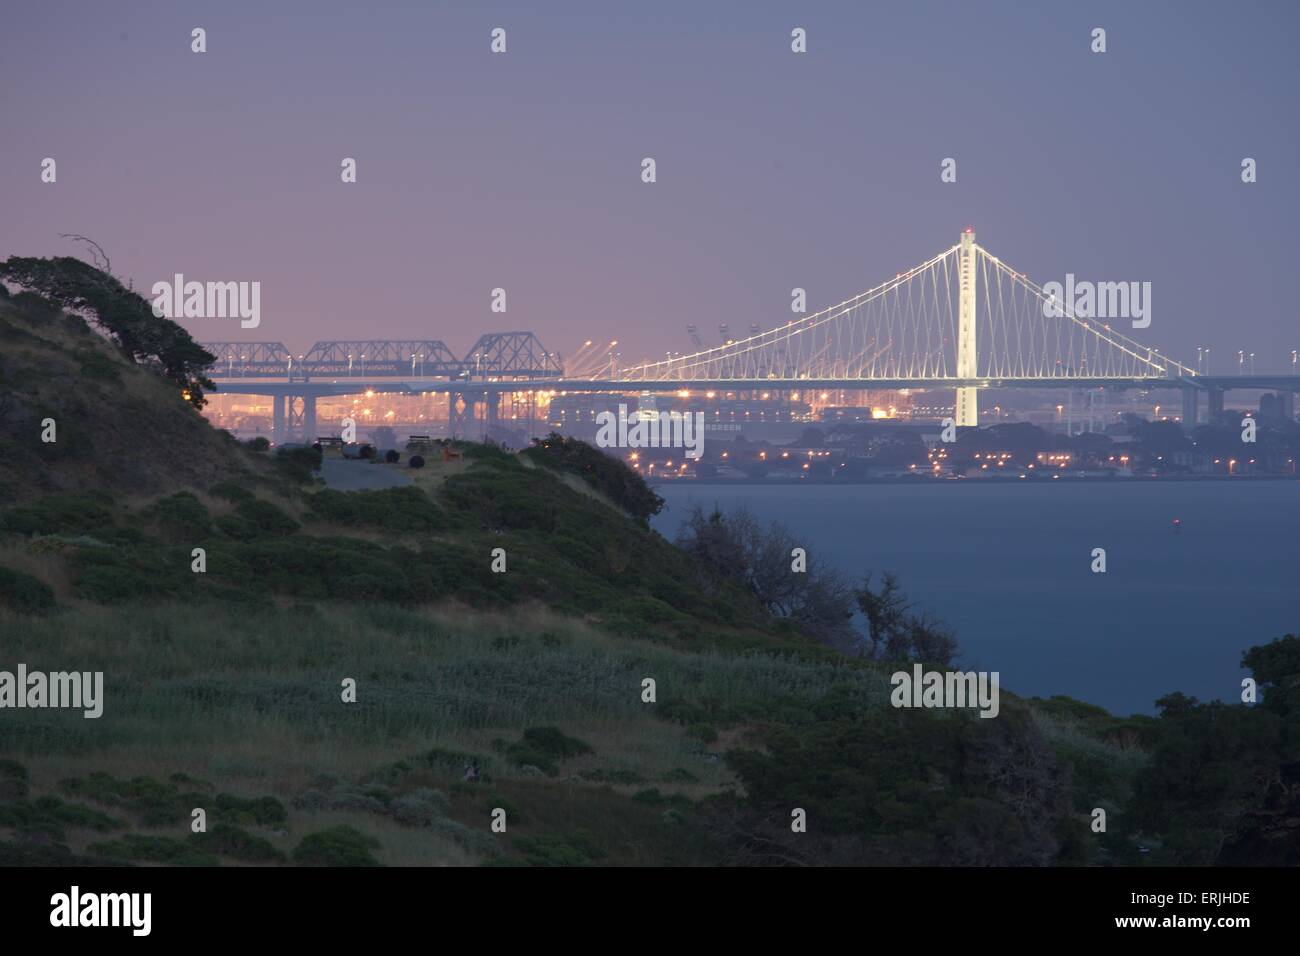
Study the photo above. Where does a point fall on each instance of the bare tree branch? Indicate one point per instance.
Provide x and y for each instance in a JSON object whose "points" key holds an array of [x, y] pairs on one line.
{"points": [[96, 250]]}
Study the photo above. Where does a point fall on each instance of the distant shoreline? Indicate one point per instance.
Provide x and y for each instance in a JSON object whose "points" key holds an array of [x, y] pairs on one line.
{"points": [[998, 480]]}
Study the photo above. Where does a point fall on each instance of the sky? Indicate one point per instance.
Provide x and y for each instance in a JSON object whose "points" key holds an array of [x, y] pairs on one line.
{"points": [[775, 170]]}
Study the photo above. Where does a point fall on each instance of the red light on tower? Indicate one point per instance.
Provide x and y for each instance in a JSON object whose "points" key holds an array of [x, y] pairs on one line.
{"points": [[970, 228]]}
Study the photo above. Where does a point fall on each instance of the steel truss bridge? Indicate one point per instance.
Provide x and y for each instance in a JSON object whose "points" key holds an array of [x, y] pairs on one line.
{"points": [[963, 319], [497, 353]]}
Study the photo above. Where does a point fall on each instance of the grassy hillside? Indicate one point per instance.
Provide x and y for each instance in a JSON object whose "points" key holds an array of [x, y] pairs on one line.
{"points": [[225, 689], [118, 427]]}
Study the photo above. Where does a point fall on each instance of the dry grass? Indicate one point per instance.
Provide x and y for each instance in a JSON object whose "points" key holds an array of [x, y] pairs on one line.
{"points": [[435, 472], [250, 701]]}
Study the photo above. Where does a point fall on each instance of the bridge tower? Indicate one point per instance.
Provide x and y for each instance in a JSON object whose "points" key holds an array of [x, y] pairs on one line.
{"points": [[967, 367]]}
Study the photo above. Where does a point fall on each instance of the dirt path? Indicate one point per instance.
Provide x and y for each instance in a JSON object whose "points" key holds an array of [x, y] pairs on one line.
{"points": [[345, 475]]}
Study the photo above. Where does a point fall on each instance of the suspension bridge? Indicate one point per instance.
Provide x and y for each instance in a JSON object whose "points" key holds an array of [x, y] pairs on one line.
{"points": [[962, 320]]}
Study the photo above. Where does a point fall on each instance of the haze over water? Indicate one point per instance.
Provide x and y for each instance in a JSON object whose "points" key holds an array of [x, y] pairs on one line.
{"points": [[1007, 566]]}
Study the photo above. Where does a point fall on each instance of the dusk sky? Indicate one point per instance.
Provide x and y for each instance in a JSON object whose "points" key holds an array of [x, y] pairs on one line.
{"points": [[775, 170]]}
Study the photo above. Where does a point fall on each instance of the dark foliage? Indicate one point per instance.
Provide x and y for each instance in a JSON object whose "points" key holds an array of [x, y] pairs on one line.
{"points": [[337, 846], [1223, 782], [902, 787], [611, 477], [734, 546], [121, 313], [391, 509], [23, 593]]}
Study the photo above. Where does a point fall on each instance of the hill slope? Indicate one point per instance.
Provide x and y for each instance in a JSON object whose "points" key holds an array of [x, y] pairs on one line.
{"points": [[347, 679], [118, 427]]}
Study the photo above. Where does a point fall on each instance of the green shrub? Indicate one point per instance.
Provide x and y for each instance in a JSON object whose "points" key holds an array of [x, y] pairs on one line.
{"points": [[182, 517], [37, 305], [506, 499], [298, 464], [543, 747], [241, 529], [96, 365], [13, 781], [872, 784], [336, 569], [49, 816], [154, 849], [226, 840], [114, 584], [484, 452], [261, 811], [608, 475], [230, 491], [552, 741], [550, 851], [272, 520], [469, 839], [23, 593], [60, 514], [76, 815], [337, 846], [392, 509], [255, 519], [420, 807], [150, 802], [13, 853]]}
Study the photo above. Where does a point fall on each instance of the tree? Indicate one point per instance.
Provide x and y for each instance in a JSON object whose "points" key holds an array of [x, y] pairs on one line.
{"points": [[121, 314], [1162, 438], [811, 438], [895, 633], [904, 448], [736, 546], [1276, 667], [1222, 782]]}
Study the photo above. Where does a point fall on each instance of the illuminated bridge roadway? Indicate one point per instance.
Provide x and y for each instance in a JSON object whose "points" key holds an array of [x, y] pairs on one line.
{"points": [[962, 320]]}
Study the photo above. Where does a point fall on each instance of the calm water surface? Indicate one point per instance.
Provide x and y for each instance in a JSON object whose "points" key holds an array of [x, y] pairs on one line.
{"points": [[1007, 566]]}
